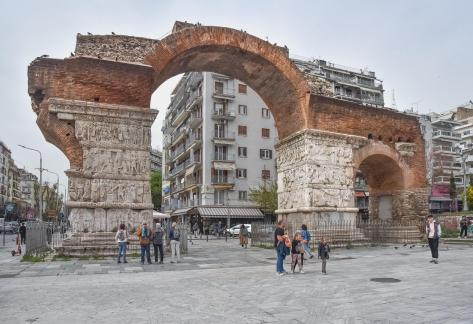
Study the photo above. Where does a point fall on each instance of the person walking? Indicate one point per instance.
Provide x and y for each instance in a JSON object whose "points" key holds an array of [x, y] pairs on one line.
{"points": [[306, 240], [434, 231], [464, 227], [175, 236], [324, 250], [144, 234], [122, 239], [22, 231], [158, 243], [243, 236], [297, 253], [281, 248], [195, 229]]}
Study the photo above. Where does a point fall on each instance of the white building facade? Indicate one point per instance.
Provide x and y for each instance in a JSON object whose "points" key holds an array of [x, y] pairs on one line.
{"points": [[219, 139]]}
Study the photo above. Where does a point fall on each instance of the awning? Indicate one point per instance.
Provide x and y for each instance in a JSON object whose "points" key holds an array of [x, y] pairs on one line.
{"points": [[232, 212], [224, 166], [359, 194], [160, 215], [181, 211], [190, 170], [440, 199]]}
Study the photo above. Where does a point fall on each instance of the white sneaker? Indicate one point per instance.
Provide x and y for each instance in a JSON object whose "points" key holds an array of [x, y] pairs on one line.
{"points": [[282, 273], [301, 271]]}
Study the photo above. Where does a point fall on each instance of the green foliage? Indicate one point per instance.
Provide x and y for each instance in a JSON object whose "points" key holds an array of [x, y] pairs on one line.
{"points": [[265, 196], [61, 258], [156, 189], [469, 197], [449, 232], [33, 258]]}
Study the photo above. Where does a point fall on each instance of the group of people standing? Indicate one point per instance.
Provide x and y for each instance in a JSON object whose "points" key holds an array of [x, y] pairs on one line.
{"points": [[298, 248], [148, 236]]}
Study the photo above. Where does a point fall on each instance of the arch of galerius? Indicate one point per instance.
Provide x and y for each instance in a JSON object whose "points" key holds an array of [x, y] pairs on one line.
{"points": [[95, 107]]}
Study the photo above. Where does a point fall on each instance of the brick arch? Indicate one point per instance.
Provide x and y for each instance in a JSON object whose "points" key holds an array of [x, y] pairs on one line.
{"points": [[264, 67], [383, 167]]}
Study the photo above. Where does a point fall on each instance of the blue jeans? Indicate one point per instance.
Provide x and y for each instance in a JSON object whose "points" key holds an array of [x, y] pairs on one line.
{"points": [[281, 257], [307, 249], [122, 250], [145, 251]]}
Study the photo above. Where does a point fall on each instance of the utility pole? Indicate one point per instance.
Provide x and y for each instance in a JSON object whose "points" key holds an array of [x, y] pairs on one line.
{"points": [[40, 179]]}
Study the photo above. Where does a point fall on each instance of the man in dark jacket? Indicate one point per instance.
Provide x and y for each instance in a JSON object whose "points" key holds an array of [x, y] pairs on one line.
{"points": [[23, 233], [158, 243], [434, 232]]}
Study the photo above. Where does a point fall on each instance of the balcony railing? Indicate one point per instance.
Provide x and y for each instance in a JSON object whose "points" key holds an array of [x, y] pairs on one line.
{"points": [[224, 157], [447, 165], [222, 180], [223, 114], [446, 180], [446, 134], [224, 135], [224, 92], [444, 148]]}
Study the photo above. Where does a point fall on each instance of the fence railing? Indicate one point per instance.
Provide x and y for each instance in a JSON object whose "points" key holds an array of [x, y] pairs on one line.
{"points": [[343, 233], [36, 237]]}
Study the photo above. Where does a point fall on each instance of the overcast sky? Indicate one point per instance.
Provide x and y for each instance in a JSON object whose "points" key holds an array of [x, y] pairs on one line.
{"points": [[422, 49]]}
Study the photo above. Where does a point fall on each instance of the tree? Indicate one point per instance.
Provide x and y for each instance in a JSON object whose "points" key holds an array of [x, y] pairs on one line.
{"points": [[469, 197], [156, 188], [265, 196]]}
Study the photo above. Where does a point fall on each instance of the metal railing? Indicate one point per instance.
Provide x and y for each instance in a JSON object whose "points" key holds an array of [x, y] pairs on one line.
{"points": [[345, 233]]}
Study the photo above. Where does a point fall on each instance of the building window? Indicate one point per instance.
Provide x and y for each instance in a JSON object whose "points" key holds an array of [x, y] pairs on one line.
{"points": [[242, 130], [265, 113], [220, 153], [219, 130], [242, 152], [219, 108], [242, 110], [265, 174], [219, 197], [241, 173], [241, 88], [265, 154], [265, 132], [242, 195], [219, 87]]}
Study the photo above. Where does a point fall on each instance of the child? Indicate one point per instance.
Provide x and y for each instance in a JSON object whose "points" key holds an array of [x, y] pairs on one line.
{"points": [[324, 250], [297, 253]]}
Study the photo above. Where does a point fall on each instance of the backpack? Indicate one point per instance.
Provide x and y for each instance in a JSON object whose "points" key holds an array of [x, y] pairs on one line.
{"points": [[176, 234], [121, 235], [244, 231]]}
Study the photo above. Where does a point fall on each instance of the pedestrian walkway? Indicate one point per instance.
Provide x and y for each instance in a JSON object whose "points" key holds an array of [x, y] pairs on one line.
{"points": [[220, 282]]}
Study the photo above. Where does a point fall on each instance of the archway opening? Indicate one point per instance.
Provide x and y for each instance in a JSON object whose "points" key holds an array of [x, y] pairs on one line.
{"points": [[377, 179]]}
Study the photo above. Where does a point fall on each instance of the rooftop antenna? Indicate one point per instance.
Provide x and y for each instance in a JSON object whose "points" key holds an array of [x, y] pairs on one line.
{"points": [[393, 102]]}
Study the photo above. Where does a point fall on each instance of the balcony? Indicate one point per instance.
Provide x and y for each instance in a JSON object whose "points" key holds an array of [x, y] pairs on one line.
{"points": [[222, 114], [194, 99], [447, 165], [440, 134], [178, 169], [180, 151], [222, 182], [224, 138], [445, 149], [223, 93], [178, 135], [446, 180], [195, 141], [180, 116], [195, 121]]}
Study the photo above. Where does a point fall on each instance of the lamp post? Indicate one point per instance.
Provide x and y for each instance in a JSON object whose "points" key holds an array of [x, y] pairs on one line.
{"points": [[465, 201], [40, 179]]}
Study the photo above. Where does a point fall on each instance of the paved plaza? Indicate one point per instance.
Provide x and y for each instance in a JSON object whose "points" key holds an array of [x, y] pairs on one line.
{"points": [[220, 282]]}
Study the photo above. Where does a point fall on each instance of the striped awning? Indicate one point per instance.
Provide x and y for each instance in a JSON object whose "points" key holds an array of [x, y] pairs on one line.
{"points": [[232, 212], [181, 211]]}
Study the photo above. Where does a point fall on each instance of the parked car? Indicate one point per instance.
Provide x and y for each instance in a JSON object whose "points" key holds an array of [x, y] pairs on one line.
{"points": [[10, 227], [235, 230]]}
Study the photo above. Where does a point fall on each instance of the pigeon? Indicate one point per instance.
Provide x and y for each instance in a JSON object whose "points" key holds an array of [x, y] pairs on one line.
{"points": [[90, 34], [72, 54], [116, 59], [99, 57], [113, 33], [405, 245]]}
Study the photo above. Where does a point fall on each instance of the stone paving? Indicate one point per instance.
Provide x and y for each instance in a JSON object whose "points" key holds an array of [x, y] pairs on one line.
{"points": [[220, 282]]}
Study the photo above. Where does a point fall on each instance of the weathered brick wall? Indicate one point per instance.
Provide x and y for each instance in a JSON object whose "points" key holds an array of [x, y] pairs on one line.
{"points": [[383, 124], [115, 47], [91, 79]]}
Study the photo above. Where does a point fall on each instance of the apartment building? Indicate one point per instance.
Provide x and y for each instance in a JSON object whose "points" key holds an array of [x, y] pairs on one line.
{"points": [[156, 157], [346, 83], [446, 159], [219, 141], [14, 192], [28, 184], [5, 158]]}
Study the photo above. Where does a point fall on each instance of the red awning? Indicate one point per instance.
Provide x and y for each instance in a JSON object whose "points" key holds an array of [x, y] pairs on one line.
{"points": [[359, 194]]}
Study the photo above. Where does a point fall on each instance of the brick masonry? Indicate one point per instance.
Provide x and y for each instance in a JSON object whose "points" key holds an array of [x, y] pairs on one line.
{"points": [[125, 70]]}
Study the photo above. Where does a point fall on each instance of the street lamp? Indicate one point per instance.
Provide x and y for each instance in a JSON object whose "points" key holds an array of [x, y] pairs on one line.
{"points": [[40, 179]]}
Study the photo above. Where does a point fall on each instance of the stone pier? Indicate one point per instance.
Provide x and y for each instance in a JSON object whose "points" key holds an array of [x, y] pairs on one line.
{"points": [[112, 187]]}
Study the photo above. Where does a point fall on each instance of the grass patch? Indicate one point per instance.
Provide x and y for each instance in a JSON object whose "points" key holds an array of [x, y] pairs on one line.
{"points": [[450, 233], [98, 257], [84, 257], [61, 258], [264, 246], [33, 258]]}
